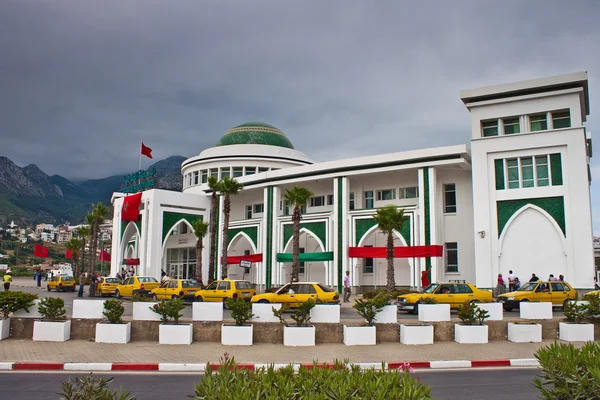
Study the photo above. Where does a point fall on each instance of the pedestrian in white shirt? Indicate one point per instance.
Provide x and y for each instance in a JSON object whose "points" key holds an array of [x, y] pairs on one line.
{"points": [[347, 290], [511, 281]]}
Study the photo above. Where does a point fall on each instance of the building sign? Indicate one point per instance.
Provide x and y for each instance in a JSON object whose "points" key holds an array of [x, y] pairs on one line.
{"points": [[139, 181], [245, 263]]}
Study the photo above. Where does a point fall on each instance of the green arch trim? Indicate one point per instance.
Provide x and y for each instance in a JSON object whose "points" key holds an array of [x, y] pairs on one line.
{"points": [[555, 206], [303, 257], [124, 224], [251, 231], [362, 226], [318, 228], [171, 218]]}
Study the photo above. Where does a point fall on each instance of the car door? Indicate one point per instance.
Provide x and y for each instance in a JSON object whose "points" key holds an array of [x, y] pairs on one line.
{"points": [[161, 291], [463, 293], [222, 290], [307, 292], [209, 294], [542, 292], [443, 294], [283, 295], [558, 293], [128, 288]]}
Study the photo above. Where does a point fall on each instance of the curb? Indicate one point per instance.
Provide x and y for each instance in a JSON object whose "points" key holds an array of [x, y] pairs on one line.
{"points": [[203, 367]]}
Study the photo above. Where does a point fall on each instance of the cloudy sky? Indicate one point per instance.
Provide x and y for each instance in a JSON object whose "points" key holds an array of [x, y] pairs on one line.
{"points": [[83, 81]]}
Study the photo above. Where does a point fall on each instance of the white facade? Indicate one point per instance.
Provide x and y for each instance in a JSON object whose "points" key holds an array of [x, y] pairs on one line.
{"points": [[515, 201]]}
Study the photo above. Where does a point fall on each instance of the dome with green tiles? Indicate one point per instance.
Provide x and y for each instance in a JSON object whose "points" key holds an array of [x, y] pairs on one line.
{"points": [[255, 133]]}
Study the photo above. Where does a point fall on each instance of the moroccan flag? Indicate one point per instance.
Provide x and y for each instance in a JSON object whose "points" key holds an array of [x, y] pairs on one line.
{"points": [[104, 256], [68, 254], [147, 151], [40, 251], [131, 206]]}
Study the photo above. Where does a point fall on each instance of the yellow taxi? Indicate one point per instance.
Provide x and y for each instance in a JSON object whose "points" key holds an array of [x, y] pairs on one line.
{"points": [[453, 293], [136, 284], [107, 286], [299, 292], [61, 283], [558, 293], [592, 293], [219, 291], [175, 288]]}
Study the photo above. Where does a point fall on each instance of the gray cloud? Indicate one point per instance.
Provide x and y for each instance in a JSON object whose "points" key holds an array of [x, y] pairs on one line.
{"points": [[83, 82]]}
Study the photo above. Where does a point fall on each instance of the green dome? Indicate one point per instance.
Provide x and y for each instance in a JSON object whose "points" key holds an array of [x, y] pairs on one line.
{"points": [[255, 133]]}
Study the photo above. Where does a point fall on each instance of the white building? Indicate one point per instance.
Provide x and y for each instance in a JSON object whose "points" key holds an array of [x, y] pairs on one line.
{"points": [[518, 200]]}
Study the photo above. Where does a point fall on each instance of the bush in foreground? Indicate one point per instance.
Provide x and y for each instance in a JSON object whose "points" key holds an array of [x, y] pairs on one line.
{"points": [[91, 388]]}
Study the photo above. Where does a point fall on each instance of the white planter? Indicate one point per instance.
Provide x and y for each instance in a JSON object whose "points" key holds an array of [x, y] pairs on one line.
{"points": [[175, 334], [416, 334], [325, 313], [113, 333], [524, 333], [47, 331], [434, 312], [4, 328], [232, 335], [576, 332], [495, 311], [470, 333], [264, 312], [205, 311], [360, 335], [530, 310], [33, 311], [296, 336], [88, 309], [142, 312], [389, 315]]}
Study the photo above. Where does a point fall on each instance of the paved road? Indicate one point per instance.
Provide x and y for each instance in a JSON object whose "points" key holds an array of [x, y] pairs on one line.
{"points": [[492, 384], [346, 313]]}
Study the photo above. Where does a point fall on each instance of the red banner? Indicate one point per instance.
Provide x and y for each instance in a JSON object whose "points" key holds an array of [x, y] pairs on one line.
{"points": [[40, 251], [399, 252], [131, 207], [252, 258], [104, 256], [68, 254], [132, 261]]}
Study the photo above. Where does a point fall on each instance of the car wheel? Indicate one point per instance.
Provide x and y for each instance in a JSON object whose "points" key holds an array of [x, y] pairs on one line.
{"points": [[416, 308], [263, 301], [507, 308], [117, 294], [154, 297], [225, 303], [199, 299], [565, 303]]}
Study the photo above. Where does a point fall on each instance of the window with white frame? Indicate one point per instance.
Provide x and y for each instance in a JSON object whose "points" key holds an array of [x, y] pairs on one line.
{"points": [[204, 174], [352, 200], [250, 170], [262, 169], [329, 199], [408, 193], [511, 125], [225, 172], [368, 269], [259, 208], [451, 256], [237, 171], [249, 212], [489, 128], [195, 177], [561, 119], [369, 203], [527, 172], [449, 198], [214, 172], [538, 122], [317, 201], [386, 194]]}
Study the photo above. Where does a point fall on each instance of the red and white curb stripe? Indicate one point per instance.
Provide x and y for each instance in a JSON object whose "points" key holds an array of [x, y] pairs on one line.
{"points": [[202, 367]]}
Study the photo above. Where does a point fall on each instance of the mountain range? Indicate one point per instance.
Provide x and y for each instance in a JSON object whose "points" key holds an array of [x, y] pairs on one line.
{"points": [[29, 196]]}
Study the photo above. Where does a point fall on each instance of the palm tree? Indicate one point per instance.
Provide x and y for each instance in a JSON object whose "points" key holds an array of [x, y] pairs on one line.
{"points": [[200, 229], [83, 232], [296, 197], [213, 184], [390, 219], [228, 187], [99, 214], [74, 245]]}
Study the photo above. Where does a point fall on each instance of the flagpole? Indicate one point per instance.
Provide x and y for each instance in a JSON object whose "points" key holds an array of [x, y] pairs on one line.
{"points": [[140, 164]]}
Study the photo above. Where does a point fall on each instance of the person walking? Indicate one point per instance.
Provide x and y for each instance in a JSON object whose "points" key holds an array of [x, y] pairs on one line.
{"points": [[81, 284], [7, 280], [511, 281], [92, 291], [501, 285], [425, 278], [347, 290], [39, 279]]}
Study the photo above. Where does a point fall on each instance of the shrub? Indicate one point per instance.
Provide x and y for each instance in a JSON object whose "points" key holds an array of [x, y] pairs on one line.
{"points": [[340, 381], [12, 301], [52, 308], [428, 300], [241, 310], [113, 310], [576, 312], [470, 314], [569, 372], [593, 307], [144, 298], [368, 309], [92, 388], [169, 310], [301, 313]]}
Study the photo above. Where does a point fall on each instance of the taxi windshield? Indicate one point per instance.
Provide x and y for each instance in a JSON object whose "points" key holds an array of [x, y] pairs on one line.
{"points": [[431, 288], [67, 278], [528, 287], [112, 280]]}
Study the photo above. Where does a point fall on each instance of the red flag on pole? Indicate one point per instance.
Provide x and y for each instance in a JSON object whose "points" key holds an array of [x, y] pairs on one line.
{"points": [[68, 254], [131, 207], [147, 151], [104, 256], [40, 251]]}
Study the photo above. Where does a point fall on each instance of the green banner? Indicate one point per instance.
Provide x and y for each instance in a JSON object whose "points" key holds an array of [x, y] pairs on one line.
{"points": [[325, 256]]}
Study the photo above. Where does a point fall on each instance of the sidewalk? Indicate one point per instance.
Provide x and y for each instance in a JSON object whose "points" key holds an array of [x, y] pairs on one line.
{"points": [[150, 354]]}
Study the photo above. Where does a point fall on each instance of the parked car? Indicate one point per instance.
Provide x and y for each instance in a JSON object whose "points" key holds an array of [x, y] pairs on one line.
{"points": [[136, 285], [453, 293], [592, 293], [220, 290], [61, 283], [556, 292], [175, 288], [299, 292], [107, 286]]}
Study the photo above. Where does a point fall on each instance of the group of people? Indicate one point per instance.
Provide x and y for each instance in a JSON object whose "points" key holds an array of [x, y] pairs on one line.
{"points": [[125, 274], [515, 284]]}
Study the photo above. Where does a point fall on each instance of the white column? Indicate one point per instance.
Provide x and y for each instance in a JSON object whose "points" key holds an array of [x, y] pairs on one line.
{"points": [[276, 275], [345, 230], [434, 221], [220, 239], [115, 258], [420, 240]]}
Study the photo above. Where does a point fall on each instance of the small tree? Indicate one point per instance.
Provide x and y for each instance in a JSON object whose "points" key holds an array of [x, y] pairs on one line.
{"points": [[390, 219], [113, 310], [169, 310], [470, 314], [52, 308], [241, 310], [576, 312], [91, 387], [12, 301], [368, 309]]}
